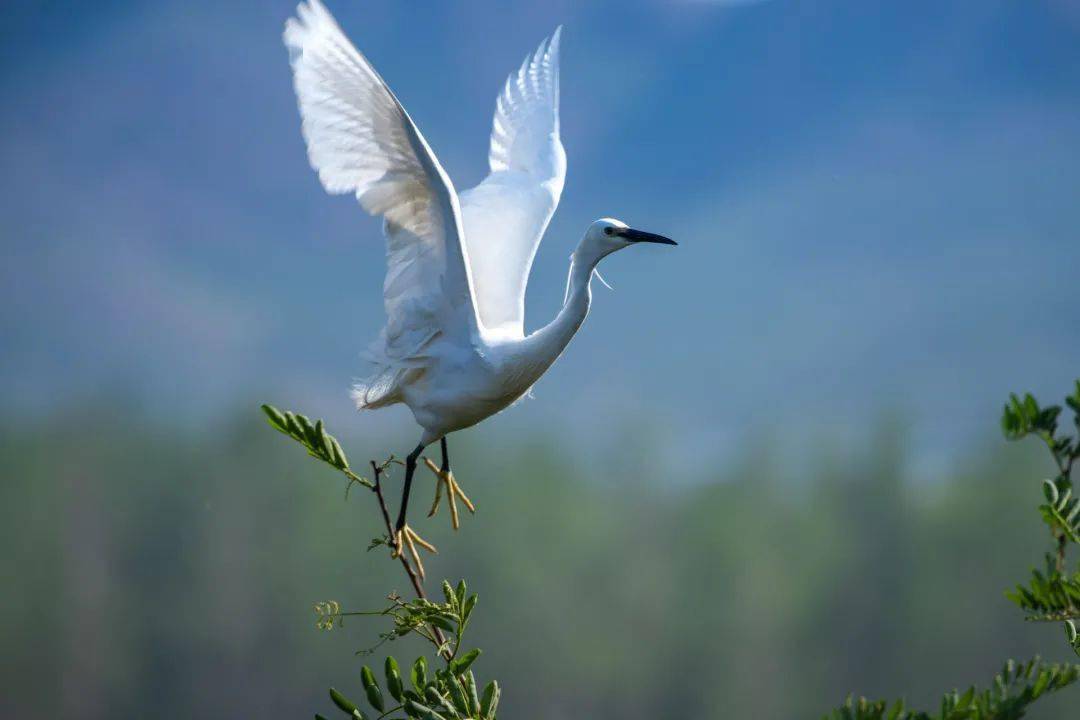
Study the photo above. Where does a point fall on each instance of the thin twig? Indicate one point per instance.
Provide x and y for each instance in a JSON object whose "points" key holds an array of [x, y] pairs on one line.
{"points": [[388, 712], [413, 577]]}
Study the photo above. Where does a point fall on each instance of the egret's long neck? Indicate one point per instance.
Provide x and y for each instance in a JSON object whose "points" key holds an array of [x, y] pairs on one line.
{"points": [[547, 343]]}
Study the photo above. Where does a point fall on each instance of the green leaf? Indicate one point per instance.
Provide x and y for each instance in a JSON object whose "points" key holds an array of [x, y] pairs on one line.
{"points": [[338, 454], [965, 701], [374, 694], [466, 612], [470, 692], [440, 702], [1050, 491], [490, 700], [276, 418], [448, 593], [1041, 683], [324, 443], [294, 426], [461, 664], [347, 706], [308, 430], [1071, 636], [461, 589], [393, 678], [419, 674], [1046, 420], [420, 710], [458, 696], [1010, 423], [442, 623]]}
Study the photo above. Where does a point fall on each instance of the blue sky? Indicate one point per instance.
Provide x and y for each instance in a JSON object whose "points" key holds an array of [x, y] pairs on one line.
{"points": [[877, 205]]}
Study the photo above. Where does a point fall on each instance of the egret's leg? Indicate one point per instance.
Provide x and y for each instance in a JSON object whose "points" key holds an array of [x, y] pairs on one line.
{"points": [[445, 476], [410, 468], [405, 536]]}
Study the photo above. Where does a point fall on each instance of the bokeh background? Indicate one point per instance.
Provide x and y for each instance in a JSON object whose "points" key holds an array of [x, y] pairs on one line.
{"points": [[767, 472]]}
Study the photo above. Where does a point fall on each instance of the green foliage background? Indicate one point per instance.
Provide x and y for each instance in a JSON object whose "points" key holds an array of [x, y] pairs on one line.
{"points": [[151, 570]]}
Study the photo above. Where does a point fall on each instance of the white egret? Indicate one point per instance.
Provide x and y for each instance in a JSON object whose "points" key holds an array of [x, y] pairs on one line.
{"points": [[454, 349]]}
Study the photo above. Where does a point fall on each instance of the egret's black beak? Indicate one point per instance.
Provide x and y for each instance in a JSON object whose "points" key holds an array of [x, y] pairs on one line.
{"points": [[641, 236]]}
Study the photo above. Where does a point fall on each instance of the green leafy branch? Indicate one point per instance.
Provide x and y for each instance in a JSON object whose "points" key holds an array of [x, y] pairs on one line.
{"points": [[1013, 689], [1023, 417], [323, 446], [449, 693], [422, 615], [1061, 511], [320, 444], [1051, 595]]}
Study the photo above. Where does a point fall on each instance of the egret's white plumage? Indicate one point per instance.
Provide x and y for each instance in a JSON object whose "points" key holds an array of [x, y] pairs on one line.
{"points": [[506, 214], [454, 348]]}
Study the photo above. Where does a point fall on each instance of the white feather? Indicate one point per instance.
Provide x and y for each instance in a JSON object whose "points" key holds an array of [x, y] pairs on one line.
{"points": [[505, 215], [361, 140]]}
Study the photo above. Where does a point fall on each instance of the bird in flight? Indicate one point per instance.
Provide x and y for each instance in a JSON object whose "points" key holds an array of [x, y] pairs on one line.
{"points": [[454, 348]]}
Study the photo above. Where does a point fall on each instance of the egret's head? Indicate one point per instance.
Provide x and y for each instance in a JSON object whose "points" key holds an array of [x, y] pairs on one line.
{"points": [[607, 235]]}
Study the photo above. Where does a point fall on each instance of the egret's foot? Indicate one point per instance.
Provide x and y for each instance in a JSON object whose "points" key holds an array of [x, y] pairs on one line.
{"points": [[453, 492], [407, 538]]}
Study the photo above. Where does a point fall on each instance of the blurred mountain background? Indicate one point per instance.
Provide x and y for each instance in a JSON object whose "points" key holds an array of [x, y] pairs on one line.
{"points": [[769, 465]]}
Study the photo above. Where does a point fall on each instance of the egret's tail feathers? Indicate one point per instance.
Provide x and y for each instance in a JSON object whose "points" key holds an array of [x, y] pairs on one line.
{"points": [[379, 390], [382, 387], [390, 371]]}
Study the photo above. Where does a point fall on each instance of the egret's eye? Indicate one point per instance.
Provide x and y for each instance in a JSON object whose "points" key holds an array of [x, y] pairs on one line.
{"points": [[609, 231]]}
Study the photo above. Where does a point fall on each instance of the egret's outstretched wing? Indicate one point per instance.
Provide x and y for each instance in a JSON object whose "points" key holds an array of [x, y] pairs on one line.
{"points": [[361, 140], [506, 215]]}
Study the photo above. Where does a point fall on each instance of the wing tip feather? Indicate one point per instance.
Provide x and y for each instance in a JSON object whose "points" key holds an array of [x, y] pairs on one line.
{"points": [[311, 18]]}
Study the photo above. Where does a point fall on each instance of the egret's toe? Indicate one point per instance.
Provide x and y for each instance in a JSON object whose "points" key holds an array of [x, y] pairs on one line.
{"points": [[410, 539], [453, 492]]}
